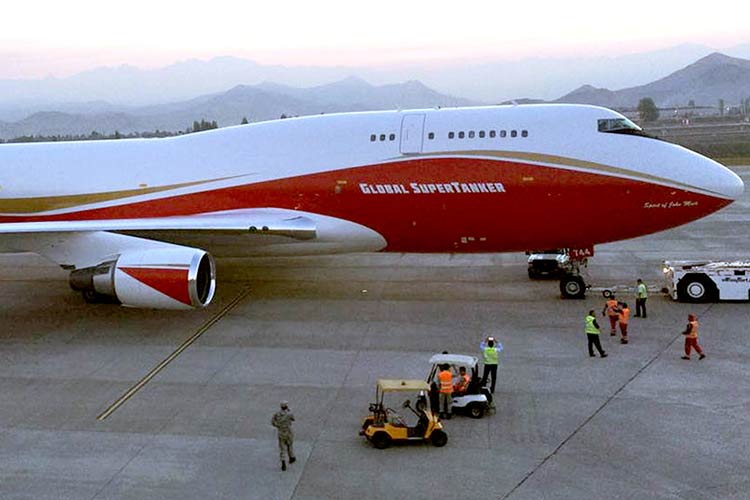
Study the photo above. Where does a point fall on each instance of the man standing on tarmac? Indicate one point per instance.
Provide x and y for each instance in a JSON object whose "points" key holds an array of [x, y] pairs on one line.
{"points": [[624, 316], [490, 349], [611, 310], [691, 338], [445, 378], [641, 295], [282, 420], [592, 333]]}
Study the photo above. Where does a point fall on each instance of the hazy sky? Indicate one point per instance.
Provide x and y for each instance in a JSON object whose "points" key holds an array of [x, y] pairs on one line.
{"points": [[60, 38]]}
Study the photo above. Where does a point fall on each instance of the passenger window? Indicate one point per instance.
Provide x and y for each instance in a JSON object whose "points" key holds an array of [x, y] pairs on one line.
{"points": [[382, 137], [392, 137], [481, 134], [513, 133], [431, 135], [461, 135], [373, 138], [503, 133], [451, 135], [492, 134], [739, 273], [471, 134], [524, 133]]}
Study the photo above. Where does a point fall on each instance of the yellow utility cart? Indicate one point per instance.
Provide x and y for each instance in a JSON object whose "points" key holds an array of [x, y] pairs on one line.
{"points": [[384, 425]]}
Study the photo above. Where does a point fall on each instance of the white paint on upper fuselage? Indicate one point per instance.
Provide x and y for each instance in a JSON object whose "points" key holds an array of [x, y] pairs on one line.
{"points": [[307, 145]]}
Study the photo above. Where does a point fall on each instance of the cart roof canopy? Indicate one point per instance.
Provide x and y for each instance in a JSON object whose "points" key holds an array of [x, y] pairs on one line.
{"points": [[454, 359], [393, 385]]}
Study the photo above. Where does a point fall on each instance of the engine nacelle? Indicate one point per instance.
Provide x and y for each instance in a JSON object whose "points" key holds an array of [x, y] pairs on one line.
{"points": [[169, 278]]}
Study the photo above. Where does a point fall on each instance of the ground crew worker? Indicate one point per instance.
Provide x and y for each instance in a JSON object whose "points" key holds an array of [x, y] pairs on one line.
{"points": [[592, 334], [445, 377], [282, 420], [624, 317], [641, 295], [691, 338], [610, 309], [490, 349], [462, 382]]}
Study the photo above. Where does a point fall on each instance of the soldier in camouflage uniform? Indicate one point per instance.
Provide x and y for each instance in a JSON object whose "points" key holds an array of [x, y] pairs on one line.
{"points": [[282, 420]]}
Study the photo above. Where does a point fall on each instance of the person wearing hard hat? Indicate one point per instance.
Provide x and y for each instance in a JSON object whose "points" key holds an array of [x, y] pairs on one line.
{"points": [[490, 349], [282, 420]]}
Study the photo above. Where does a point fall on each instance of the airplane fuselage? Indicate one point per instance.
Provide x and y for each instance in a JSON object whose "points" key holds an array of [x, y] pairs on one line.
{"points": [[489, 179]]}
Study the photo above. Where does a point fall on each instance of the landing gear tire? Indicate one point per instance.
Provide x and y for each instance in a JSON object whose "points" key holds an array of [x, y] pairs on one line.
{"points": [[572, 286], [696, 288]]}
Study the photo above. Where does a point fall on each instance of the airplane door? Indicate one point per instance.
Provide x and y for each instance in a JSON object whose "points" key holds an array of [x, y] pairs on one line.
{"points": [[412, 130]]}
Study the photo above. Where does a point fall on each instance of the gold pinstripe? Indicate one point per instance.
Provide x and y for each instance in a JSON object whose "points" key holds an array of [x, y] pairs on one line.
{"points": [[48, 203], [572, 162]]}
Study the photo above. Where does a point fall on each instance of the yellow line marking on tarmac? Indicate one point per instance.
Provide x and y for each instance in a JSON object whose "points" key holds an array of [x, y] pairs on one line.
{"points": [[163, 364]]}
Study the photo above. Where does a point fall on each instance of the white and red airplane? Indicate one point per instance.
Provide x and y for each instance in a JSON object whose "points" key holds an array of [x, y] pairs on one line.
{"points": [[140, 220]]}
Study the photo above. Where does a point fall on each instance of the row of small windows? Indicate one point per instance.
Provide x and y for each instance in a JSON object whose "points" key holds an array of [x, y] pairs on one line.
{"points": [[482, 134], [471, 134], [374, 137]]}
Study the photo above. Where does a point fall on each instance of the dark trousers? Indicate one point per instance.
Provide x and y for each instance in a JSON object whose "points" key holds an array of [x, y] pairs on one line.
{"points": [[490, 370], [594, 342], [640, 307]]}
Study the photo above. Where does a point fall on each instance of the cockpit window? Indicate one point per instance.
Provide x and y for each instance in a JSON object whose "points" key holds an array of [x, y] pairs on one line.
{"points": [[621, 126], [617, 125]]}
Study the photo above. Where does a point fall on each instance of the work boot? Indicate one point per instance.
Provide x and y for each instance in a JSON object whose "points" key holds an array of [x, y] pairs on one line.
{"points": [[604, 355], [701, 356], [623, 341], [283, 465], [292, 460], [686, 357], [612, 334]]}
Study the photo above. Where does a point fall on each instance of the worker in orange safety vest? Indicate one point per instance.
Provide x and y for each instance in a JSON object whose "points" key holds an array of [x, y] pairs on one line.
{"points": [[624, 317], [462, 382], [691, 338], [610, 309], [445, 377]]}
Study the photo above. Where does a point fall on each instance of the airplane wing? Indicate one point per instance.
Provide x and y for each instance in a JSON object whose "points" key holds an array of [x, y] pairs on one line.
{"points": [[258, 221]]}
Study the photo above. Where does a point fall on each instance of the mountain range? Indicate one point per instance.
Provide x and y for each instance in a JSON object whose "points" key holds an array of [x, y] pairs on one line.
{"points": [[704, 82]]}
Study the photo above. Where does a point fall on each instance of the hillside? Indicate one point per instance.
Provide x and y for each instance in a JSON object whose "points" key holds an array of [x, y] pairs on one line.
{"points": [[704, 82], [261, 102]]}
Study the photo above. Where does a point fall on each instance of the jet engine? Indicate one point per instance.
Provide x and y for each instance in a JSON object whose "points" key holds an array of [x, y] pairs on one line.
{"points": [[168, 278]]}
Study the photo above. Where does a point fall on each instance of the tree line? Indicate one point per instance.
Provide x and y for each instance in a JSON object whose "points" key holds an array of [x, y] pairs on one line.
{"points": [[198, 126]]}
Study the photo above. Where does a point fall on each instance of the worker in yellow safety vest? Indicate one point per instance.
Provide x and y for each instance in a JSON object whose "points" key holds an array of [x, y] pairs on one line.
{"points": [[592, 334], [490, 349], [641, 295]]}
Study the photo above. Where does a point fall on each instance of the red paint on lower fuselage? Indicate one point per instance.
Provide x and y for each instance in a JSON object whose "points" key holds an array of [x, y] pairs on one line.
{"points": [[539, 207]]}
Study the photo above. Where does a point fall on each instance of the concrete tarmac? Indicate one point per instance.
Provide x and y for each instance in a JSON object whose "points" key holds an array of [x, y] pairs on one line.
{"points": [[640, 424]]}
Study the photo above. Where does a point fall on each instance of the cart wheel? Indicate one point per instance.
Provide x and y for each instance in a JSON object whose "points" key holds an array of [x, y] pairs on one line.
{"points": [[607, 294], [476, 410], [438, 438], [572, 286], [381, 440]]}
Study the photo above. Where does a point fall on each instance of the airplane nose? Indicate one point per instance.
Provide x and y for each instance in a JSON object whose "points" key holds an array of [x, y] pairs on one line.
{"points": [[727, 183]]}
